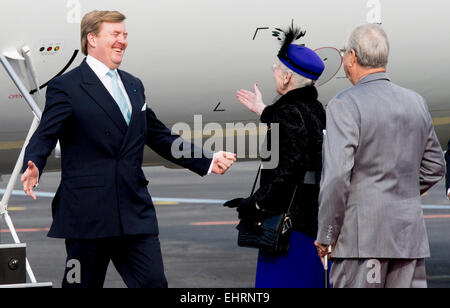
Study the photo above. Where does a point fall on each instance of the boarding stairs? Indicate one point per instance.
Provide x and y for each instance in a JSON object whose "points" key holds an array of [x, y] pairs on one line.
{"points": [[14, 265]]}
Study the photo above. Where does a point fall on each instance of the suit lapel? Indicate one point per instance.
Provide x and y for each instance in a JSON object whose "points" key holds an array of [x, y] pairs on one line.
{"points": [[97, 91], [130, 87]]}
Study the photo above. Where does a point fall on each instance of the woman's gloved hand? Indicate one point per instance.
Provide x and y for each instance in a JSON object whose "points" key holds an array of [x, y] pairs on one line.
{"points": [[245, 207]]}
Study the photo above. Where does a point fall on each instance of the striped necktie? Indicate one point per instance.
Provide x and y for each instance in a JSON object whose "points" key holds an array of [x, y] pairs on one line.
{"points": [[120, 97]]}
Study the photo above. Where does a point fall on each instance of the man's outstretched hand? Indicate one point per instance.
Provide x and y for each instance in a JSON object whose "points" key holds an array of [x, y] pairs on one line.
{"points": [[29, 179], [222, 162]]}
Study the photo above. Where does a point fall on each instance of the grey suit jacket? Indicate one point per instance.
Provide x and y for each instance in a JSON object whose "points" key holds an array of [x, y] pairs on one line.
{"points": [[447, 160], [380, 154]]}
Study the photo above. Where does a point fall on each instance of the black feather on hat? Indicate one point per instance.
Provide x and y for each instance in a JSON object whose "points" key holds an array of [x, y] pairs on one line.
{"points": [[298, 58], [290, 35]]}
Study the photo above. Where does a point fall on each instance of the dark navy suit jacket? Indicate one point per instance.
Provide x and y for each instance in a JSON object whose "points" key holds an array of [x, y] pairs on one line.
{"points": [[103, 191]]}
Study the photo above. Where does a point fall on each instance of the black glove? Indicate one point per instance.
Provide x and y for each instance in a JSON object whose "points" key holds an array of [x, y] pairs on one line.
{"points": [[233, 203], [245, 207]]}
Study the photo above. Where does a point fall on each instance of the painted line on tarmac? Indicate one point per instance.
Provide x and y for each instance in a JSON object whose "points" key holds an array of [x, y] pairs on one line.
{"points": [[162, 201], [214, 223], [37, 193], [166, 201], [437, 216], [15, 208], [233, 223], [26, 230], [436, 207], [185, 200]]}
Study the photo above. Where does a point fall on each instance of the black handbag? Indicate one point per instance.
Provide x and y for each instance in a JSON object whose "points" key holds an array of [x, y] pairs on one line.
{"points": [[270, 232]]}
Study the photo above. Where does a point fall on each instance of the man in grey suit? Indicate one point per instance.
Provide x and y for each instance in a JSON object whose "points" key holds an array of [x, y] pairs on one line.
{"points": [[380, 154], [447, 160]]}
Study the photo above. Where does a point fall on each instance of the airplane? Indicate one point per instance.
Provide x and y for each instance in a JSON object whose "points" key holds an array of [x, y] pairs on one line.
{"points": [[193, 56]]}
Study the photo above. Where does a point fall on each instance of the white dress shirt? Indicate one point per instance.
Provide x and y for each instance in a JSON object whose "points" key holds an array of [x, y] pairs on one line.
{"points": [[101, 70]]}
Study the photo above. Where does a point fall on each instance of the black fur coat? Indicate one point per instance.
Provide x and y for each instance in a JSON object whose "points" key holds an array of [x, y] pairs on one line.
{"points": [[301, 119]]}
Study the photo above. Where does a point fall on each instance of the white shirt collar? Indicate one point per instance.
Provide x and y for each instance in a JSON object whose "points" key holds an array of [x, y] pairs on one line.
{"points": [[99, 68]]}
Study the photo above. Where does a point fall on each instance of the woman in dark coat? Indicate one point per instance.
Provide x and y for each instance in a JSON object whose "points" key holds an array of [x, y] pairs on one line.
{"points": [[301, 120]]}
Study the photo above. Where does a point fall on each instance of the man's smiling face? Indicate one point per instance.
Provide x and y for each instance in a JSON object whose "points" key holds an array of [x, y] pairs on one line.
{"points": [[109, 44]]}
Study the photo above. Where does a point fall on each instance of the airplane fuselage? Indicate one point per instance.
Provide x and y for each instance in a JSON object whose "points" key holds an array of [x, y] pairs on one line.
{"points": [[193, 55]]}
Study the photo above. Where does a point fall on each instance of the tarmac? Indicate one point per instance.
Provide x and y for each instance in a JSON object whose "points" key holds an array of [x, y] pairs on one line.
{"points": [[197, 234]]}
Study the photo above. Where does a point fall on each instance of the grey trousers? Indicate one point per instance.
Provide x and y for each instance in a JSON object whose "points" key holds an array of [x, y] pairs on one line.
{"points": [[378, 273]]}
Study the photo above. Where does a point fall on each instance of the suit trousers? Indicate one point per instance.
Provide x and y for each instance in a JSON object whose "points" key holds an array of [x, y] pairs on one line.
{"points": [[138, 260], [378, 273]]}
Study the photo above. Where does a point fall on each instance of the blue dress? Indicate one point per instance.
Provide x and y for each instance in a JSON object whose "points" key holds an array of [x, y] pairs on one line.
{"points": [[300, 268]]}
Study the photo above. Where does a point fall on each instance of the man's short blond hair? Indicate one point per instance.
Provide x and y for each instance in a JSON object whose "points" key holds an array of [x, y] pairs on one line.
{"points": [[92, 23]]}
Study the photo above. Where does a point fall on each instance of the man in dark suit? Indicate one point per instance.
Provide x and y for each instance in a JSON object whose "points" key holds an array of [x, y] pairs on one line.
{"points": [[447, 160], [370, 207], [102, 207]]}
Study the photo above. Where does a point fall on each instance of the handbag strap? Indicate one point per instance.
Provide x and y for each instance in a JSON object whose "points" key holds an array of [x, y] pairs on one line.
{"points": [[292, 200], [308, 175], [256, 181]]}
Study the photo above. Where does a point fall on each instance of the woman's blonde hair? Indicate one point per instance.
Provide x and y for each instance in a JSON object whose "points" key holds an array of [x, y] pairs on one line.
{"points": [[92, 23]]}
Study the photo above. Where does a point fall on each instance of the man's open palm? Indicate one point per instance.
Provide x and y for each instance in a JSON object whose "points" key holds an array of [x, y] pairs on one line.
{"points": [[29, 179]]}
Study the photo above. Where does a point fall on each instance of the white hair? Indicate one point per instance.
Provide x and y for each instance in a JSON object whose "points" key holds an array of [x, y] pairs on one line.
{"points": [[371, 45], [298, 80]]}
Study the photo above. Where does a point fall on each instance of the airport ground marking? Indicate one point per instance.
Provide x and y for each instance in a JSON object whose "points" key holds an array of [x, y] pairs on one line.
{"points": [[166, 203], [214, 223], [189, 201], [435, 207], [227, 223], [37, 193], [30, 230], [441, 121], [176, 201], [197, 224], [437, 216], [16, 209]]}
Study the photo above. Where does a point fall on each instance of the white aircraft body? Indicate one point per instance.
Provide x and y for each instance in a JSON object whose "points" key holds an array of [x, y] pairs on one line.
{"points": [[193, 55]]}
